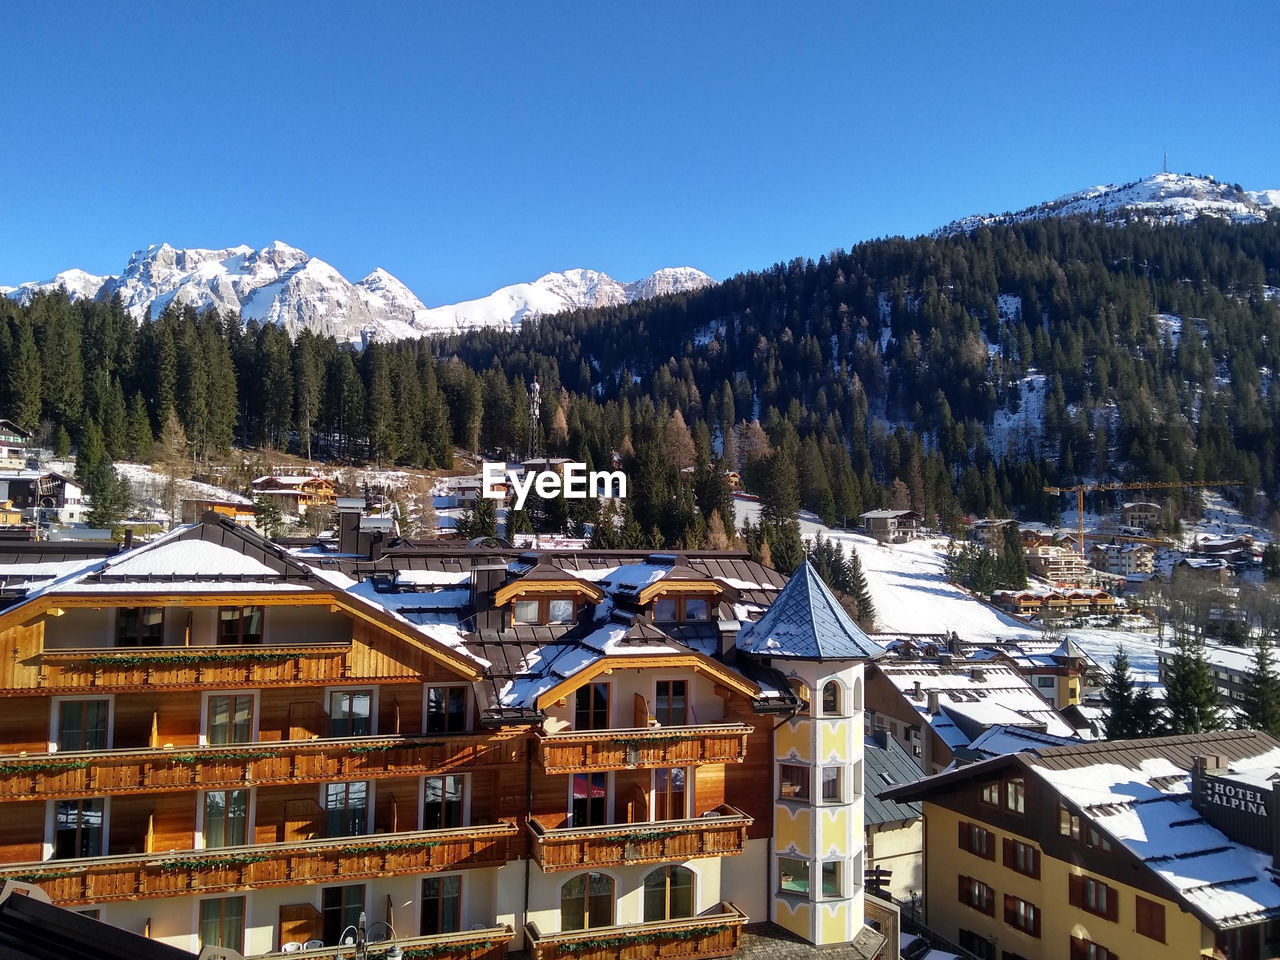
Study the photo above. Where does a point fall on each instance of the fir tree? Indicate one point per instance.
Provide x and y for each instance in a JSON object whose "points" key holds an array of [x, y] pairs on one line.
{"points": [[1118, 697], [109, 496], [1013, 563], [860, 592], [1262, 693], [139, 430], [1191, 698]]}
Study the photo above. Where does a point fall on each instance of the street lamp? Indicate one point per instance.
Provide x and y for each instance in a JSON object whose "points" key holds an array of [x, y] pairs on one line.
{"points": [[361, 940]]}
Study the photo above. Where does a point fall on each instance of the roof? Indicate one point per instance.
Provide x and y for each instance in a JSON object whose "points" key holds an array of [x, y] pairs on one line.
{"points": [[1002, 739], [807, 621], [887, 514], [31, 928], [1138, 793], [887, 764]]}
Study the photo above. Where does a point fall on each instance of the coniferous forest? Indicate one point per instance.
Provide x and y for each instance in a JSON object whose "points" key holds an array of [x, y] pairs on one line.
{"points": [[898, 373]]}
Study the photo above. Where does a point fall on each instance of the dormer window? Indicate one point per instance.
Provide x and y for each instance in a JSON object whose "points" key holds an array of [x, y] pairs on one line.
{"points": [[677, 609], [544, 610]]}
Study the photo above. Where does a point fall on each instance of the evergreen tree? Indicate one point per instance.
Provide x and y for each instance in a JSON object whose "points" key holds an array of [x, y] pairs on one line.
{"points": [[1262, 693], [24, 375], [1013, 563], [1191, 698], [267, 516], [1118, 698], [139, 430], [109, 496], [860, 592]]}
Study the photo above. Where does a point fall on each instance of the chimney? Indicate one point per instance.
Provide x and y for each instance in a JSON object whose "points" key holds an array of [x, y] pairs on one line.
{"points": [[978, 674], [128, 539], [350, 510], [934, 706], [727, 632], [918, 692], [488, 573]]}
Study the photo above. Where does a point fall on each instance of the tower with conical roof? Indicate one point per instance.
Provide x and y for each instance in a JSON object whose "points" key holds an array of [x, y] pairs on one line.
{"points": [[816, 872]]}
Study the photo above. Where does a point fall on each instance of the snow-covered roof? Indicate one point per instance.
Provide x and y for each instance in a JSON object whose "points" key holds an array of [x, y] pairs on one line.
{"points": [[807, 621], [1002, 739]]}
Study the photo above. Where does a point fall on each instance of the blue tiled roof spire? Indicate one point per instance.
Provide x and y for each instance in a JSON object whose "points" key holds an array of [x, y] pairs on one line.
{"points": [[806, 621]]}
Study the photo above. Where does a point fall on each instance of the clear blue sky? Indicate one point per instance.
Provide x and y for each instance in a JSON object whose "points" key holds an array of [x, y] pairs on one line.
{"points": [[467, 146]]}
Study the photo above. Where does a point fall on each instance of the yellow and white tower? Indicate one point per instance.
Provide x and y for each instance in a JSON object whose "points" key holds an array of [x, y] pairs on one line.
{"points": [[816, 871]]}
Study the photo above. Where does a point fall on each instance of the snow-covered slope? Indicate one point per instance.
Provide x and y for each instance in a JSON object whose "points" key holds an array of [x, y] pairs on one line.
{"points": [[1164, 197], [283, 285]]}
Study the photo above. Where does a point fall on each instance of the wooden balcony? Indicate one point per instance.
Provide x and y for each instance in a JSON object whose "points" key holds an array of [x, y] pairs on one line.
{"points": [[489, 943], [574, 751], [49, 775], [336, 859], [713, 934], [719, 833], [190, 668]]}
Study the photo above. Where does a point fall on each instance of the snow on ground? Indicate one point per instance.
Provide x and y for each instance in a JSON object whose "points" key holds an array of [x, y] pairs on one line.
{"points": [[147, 482], [1018, 434]]}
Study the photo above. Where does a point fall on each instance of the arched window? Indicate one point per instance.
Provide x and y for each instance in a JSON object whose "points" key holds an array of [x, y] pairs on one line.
{"points": [[831, 699], [586, 901], [857, 694], [668, 894]]}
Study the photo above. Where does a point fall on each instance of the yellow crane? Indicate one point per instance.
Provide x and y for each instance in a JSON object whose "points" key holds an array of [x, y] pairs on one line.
{"points": [[1080, 489]]}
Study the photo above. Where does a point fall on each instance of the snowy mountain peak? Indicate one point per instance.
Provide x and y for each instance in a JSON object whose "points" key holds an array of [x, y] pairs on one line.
{"points": [[1161, 198], [283, 285]]}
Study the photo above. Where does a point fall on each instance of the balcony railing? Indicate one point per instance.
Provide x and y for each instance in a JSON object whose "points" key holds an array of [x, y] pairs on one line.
{"points": [[572, 751], [192, 667], [712, 934], [127, 877], [719, 833], [49, 775], [489, 943]]}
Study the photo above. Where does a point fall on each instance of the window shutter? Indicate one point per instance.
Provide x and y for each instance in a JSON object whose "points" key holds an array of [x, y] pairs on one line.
{"points": [[1113, 904], [1008, 852], [964, 835], [1076, 891], [964, 890]]}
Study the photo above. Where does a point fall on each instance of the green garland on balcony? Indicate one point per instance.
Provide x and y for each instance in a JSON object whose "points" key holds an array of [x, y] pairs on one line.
{"points": [[628, 939], [392, 845], [647, 835], [405, 745], [201, 863], [443, 949], [38, 876], [42, 766], [215, 757], [655, 740], [164, 659]]}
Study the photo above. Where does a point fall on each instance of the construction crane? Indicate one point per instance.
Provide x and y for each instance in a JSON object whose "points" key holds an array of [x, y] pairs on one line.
{"points": [[1080, 489]]}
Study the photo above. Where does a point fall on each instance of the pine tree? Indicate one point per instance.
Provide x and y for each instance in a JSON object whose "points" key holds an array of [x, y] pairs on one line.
{"points": [[25, 376], [1117, 696], [1191, 698], [860, 592], [109, 496], [1262, 693], [139, 431], [1013, 563]]}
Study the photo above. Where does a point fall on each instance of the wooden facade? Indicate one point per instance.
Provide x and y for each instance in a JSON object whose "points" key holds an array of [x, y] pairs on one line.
{"points": [[711, 935]]}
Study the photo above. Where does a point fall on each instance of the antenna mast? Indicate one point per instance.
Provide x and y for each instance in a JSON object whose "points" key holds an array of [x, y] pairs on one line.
{"points": [[1166, 161]]}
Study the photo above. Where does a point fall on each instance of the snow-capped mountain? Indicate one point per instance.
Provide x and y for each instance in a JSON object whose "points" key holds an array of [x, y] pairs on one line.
{"points": [[283, 285], [1163, 198]]}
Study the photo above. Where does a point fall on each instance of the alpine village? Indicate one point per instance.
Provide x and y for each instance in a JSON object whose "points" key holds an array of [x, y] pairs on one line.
{"points": [[920, 601]]}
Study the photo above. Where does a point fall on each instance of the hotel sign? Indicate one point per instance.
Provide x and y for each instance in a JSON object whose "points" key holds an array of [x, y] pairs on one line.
{"points": [[1243, 811], [1234, 796]]}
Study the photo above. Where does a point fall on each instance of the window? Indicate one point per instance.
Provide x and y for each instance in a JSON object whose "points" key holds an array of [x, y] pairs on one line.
{"points": [[1015, 800], [591, 707], [1094, 896], [240, 625], [226, 818], [230, 719], [589, 802], [793, 876], [976, 894], [1044, 682], [442, 803], [222, 923], [82, 724], [696, 608], [1022, 857], [677, 609], [446, 709], [1023, 915], [1150, 918], [346, 807], [831, 699], [545, 610], [977, 840], [668, 894], [977, 944], [793, 781], [586, 901], [140, 627], [559, 611], [441, 906], [831, 874], [1094, 839], [340, 907], [350, 713], [1068, 823], [665, 610], [77, 828], [1088, 950], [525, 611], [991, 794], [671, 702], [831, 792], [670, 801]]}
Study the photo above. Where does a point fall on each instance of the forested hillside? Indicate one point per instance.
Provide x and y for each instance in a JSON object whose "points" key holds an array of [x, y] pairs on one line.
{"points": [[956, 374]]}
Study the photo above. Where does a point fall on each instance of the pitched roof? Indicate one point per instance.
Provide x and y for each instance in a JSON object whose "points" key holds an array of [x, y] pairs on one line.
{"points": [[807, 621], [887, 765]]}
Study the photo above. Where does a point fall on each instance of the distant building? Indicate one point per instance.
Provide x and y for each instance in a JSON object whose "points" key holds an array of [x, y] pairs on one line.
{"points": [[194, 508], [1055, 601], [891, 526], [1058, 564], [15, 445], [56, 497], [1141, 513], [296, 494], [1123, 559], [991, 533]]}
